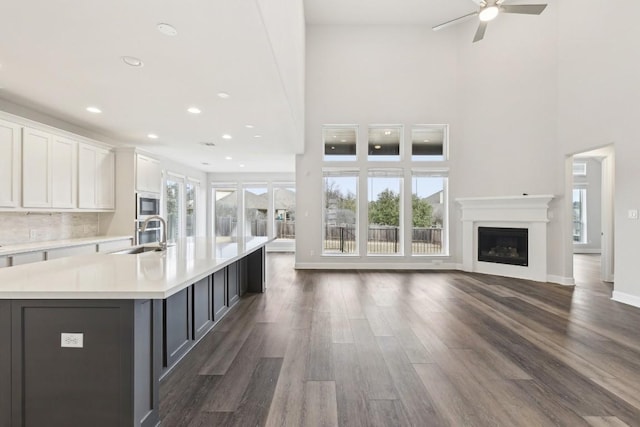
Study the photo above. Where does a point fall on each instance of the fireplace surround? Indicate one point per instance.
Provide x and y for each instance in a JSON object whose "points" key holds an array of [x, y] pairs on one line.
{"points": [[528, 213]]}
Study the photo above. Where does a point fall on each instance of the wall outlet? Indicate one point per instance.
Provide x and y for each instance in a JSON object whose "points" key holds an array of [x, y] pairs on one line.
{"points": [[68, 340], [311, 252], [632, 214], [33, 234]]}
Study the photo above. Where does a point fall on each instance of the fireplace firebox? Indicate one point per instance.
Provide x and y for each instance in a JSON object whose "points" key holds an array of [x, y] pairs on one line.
{"points": [[503, 245]]}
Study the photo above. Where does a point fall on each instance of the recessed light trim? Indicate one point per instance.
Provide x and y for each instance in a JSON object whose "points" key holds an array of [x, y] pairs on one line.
{"points": [[257, 136], [224, 95], [94, 110], [152, 136], [248, 126], [132, 61], [194, 110], [226, 136], [228, 158], [167, 29]]}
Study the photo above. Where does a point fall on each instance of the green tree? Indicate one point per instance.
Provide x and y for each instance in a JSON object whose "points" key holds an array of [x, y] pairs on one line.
{"points": [[422, 212], [385, 210]]}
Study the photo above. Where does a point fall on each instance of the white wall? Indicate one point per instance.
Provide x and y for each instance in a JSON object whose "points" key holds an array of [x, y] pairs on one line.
{"points": [[599, 91], [368, 75]]}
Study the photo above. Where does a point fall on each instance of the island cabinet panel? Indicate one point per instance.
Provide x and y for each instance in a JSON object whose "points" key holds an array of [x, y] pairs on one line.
{"points": [[233, 283], [255, 271], [220, 305], [177, 326], [5, 363], [104, 374], [202, 307]]}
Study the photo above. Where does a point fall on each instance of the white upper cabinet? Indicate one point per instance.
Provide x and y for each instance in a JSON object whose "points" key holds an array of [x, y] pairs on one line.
{"points": [[96, 178], [9, 164], [64, 172], [36, 168], [49, 170], [148, 174]]}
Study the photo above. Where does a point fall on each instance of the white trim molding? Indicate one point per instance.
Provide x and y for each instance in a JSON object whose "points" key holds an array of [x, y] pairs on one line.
{"points": [[625, 298], [530, 212], [561, 280]]}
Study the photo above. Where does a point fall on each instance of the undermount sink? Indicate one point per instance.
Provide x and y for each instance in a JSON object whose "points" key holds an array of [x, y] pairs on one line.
{"points": [[137, 250]]}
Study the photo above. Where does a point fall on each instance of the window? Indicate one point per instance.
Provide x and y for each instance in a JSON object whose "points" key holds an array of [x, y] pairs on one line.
{"points": [[174, 205], [580, 215], [428, 213], [384, 234], [256, 207], [579, 168], [428, 142], [384, 143], [225, 214], [339, 143], [192, 189], [340, 216], [284, 215]]}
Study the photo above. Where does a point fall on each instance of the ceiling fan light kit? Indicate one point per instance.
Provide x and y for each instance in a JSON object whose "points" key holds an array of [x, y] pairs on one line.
{"points": [[489, 10]]}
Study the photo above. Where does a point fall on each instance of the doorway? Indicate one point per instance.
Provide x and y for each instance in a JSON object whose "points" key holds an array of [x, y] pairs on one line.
{"points": [[591, 190]]}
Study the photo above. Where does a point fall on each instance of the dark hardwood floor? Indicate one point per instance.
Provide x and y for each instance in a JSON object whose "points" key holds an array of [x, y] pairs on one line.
{"points": [[378, 348]]}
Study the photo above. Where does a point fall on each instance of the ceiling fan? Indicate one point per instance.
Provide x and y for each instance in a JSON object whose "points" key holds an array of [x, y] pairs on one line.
{"points": [[489, 10]]}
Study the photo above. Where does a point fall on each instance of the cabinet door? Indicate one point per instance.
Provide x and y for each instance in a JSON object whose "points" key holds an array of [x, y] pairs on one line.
{"points": [[96, 178], [9, 164], [64, 168], [36, 170], [86, 176], [219, 294], [105, 179], [202, 316], [177, 326], [233, 284], [148, 174]]}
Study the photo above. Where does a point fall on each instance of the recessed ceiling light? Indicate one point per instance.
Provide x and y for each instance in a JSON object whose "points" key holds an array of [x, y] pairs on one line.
{"points": [[194, 110], [249, 126], [223, 95], [426, 140], [241, 165], [343, 140], [132, 61], [208, 144], [94, 110], [228, 158], [257, 136], [226, 136], [377, 147], [387, 132], [335, 136], [152, 136], [167, 29]]}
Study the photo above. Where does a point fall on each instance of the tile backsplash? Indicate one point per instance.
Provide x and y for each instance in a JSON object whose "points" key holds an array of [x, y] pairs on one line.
{"points": [[23, 227]]}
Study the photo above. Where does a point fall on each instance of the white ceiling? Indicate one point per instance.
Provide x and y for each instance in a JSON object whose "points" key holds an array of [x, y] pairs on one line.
{"points": [[59, 57], [365, 12]]}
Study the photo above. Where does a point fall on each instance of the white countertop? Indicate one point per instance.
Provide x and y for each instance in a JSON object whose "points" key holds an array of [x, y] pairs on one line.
{"points": [[56, 244], [149, 275]]}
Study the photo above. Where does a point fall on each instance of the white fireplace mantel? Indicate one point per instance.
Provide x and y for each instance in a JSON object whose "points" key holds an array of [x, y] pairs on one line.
{"points": [[530, 212]]}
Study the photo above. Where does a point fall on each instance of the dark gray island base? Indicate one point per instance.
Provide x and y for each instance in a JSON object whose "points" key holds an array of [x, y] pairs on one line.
{"points": [[128, 345]]}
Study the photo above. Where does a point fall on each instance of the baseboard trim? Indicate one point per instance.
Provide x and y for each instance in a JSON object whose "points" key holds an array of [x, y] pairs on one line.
{"points": [[376, 266], [560, 280], [587, 251], [625, 298]]}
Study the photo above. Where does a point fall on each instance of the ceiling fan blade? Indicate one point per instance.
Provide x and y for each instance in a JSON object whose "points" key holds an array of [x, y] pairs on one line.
{"points": [[454, 21], [480, 33], [527, 9]]}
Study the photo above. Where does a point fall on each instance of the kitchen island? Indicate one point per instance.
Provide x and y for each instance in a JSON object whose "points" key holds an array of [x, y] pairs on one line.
{"points": [[85, 340]]}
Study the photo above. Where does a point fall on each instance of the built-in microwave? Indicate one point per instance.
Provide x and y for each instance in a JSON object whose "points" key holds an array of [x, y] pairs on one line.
{"points": [[147, 204]]}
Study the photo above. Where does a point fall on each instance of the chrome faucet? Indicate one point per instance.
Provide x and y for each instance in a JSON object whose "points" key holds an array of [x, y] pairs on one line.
{"points": [[163, 238]]}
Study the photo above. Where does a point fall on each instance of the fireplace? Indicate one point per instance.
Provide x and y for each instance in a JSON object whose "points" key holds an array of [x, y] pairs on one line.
{"points": [[503, 245]]}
